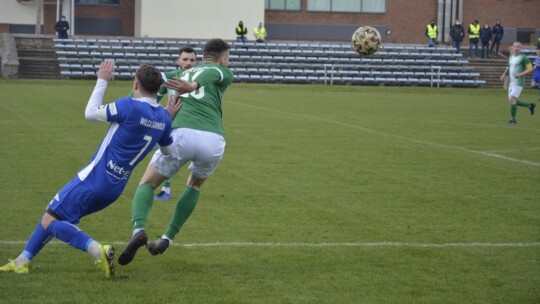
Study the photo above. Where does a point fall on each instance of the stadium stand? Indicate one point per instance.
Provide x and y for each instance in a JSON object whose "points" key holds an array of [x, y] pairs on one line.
{"points": [[283, 62]]}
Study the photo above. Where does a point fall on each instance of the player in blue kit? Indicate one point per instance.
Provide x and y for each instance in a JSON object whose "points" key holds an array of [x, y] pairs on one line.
{"points": [[136, 125], [535, 80]]}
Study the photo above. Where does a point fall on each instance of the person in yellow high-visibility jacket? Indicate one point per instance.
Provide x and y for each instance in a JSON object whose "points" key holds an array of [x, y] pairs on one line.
{"points": [[260, 33], [474, 35], [241, 32], [432, 32]]}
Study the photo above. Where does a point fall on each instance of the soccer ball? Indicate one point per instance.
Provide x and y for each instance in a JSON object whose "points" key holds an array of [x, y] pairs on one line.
{"points": [[366, 40]]}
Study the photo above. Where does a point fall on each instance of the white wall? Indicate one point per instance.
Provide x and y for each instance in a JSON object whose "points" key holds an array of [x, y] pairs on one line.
{"points": [[190, 19], [12, 12]]}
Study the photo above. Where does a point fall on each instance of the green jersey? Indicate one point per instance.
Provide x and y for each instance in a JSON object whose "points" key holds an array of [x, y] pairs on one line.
{"points": [[201, 109], [168, 75], [518, 64]]}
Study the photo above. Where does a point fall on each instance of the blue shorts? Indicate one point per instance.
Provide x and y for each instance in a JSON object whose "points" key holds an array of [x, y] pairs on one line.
{"points": [[75, 201], [536, 77]]}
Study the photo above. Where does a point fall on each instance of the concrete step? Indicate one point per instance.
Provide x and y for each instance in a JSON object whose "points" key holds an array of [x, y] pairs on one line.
{"points": [[490, 70], [37, 59]]}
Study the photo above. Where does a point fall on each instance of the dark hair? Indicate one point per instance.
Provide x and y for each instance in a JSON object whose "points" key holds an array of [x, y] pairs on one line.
{"points": [[149, 78], [187, 49], [214, 48]]}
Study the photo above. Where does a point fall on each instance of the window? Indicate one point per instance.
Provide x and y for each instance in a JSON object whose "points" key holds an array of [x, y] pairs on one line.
{"points": [[373, 6], [283, 5], [98, 2], [347, 6]]}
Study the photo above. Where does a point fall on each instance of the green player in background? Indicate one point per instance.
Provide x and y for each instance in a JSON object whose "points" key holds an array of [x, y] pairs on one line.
{"points": [[518, 67], [198, 137], [186, 60]]}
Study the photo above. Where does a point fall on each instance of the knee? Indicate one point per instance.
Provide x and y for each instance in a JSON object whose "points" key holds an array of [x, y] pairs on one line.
{"points": [[46, 220]]}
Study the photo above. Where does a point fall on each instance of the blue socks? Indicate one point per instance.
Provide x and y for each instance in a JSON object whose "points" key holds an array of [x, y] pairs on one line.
{"points": [[37, 240], [70, 234]]}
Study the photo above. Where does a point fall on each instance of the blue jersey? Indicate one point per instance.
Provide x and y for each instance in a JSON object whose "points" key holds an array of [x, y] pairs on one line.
{"points": [[536, 64], [136, 127]]}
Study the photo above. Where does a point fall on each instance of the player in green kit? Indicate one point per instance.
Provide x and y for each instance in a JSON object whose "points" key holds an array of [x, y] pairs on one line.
{"points": [[518, 66], [186, 60], [198, 137]]}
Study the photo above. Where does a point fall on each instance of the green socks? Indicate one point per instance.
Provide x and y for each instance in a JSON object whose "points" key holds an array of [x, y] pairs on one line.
{"points": [[513, 111], [513, 108], [140, 207], [522, 103], [167, 183], [184, 207], [142, 202]]}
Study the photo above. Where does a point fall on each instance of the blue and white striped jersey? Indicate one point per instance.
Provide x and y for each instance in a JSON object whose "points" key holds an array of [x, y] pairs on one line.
{"points": [[136, 127]]}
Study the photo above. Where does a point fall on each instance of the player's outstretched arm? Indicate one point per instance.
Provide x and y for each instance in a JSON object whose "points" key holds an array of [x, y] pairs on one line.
{"points": [[181, 86], [95, 110]]}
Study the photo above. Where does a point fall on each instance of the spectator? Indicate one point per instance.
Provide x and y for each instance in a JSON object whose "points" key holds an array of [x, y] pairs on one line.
{"points": [[457, 32], [61, 27], [431, 33], [259, 33], [498, 33], [241, 32], [474, 35], [485, 37]]}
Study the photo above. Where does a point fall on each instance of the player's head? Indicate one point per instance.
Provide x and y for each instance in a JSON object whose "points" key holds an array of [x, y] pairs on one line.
{"points": [[148, 80], [516, 48], [217, 51], [187, 58]]}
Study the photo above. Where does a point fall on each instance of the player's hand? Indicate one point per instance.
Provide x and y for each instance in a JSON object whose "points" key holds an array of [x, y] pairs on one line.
{"points": [[174, 103], [106, 70], [180, 85], [502, 77]]}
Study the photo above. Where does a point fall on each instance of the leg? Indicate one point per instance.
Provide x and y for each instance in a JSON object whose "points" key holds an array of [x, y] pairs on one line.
{"points": [[38, 239], [75, 237], [513, 110], [165, 192], [184, 208], [140, 208], [210, 148]]}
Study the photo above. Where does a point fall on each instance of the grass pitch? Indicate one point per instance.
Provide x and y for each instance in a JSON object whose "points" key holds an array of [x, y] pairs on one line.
{"points": [[325, 195]]}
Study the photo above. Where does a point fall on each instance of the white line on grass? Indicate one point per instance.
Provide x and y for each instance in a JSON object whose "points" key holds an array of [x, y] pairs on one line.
{"points": [[312, 245], [514, 150], [488, 154]]}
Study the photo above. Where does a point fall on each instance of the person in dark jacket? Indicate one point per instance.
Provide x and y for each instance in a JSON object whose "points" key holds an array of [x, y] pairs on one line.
{"points": [[498, 33], [485, 38], [457, 33], [61, 27]]}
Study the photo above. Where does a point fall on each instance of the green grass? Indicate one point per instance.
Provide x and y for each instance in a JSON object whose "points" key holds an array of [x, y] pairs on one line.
{"points": [[325, 195]]}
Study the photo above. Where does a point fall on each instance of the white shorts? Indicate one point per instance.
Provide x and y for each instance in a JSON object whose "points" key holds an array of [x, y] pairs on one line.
{"points": [[204, 150], [514, 91]]}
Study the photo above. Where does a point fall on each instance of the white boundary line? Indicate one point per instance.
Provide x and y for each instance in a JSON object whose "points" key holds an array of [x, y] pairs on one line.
{"points": [[324, 245], [488, 154]]}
